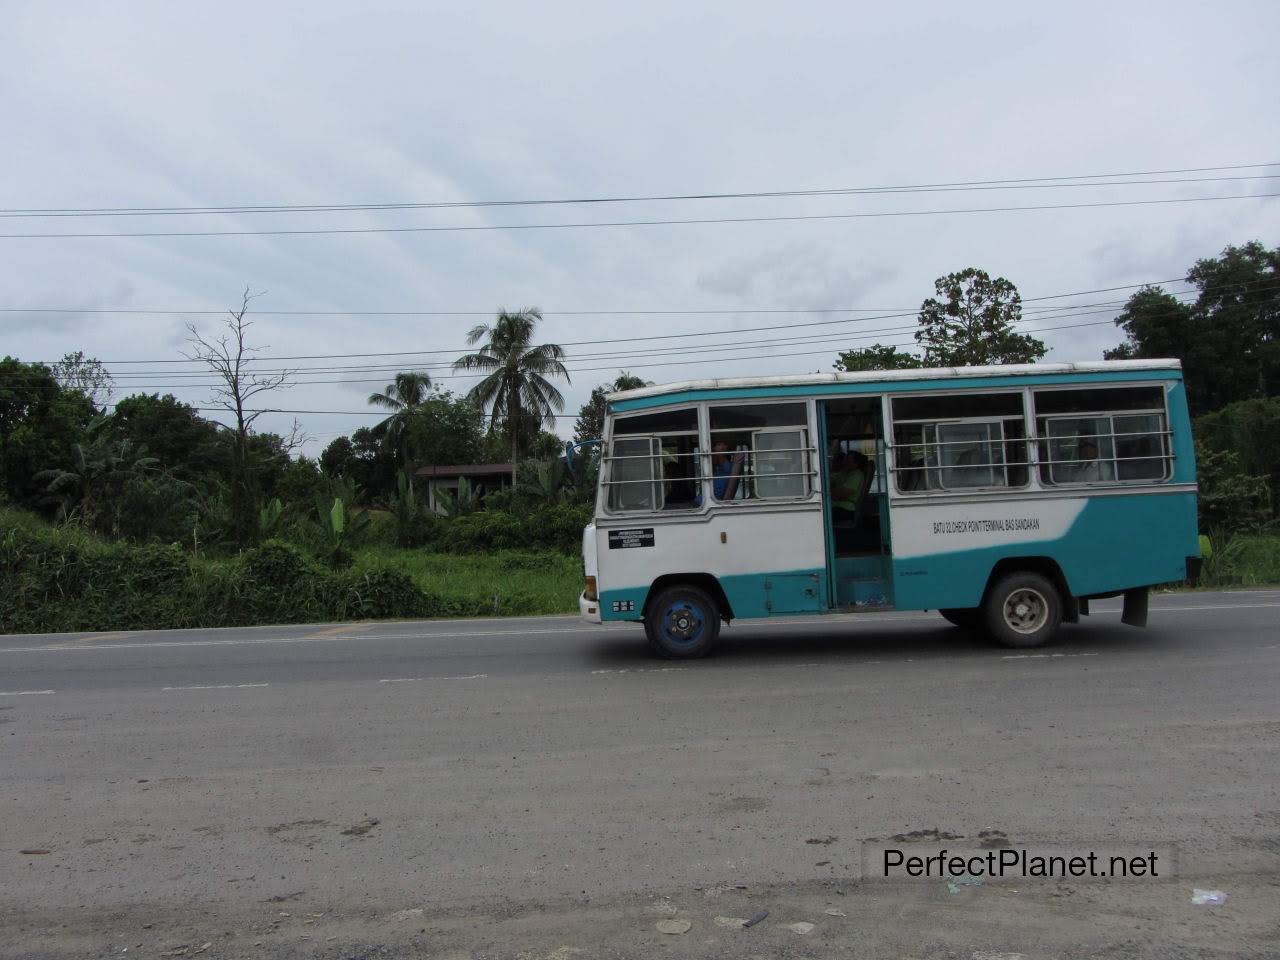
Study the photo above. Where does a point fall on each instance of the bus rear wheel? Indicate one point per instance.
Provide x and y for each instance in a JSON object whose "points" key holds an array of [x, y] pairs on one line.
{"points": [[1022, 610], [682, 623], [968, 618]]}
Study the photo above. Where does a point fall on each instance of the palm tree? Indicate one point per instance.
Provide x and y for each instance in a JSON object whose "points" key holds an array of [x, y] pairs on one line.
{"points": [[516, 388], [402, 397]]}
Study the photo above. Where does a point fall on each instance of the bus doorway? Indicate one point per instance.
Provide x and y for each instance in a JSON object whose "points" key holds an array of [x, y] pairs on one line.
{"points": [[855, 502]]}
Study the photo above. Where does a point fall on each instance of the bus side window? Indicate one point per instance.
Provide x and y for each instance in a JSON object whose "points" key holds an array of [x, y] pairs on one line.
{"points": [[778, 461], [957, 441], [633, 473], [1102, 435], [759, 451], [655, 461]]}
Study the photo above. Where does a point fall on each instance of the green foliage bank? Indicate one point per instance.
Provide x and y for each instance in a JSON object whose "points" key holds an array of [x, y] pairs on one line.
{"points": [[65, 579]]}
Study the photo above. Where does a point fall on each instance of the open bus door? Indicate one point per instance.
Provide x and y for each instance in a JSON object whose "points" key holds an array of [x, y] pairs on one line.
{"points": [[855, 483]]}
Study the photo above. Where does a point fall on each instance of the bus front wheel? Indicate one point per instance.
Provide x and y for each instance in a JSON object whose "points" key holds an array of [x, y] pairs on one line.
{"points": [[1022, 610], [682, 623]]}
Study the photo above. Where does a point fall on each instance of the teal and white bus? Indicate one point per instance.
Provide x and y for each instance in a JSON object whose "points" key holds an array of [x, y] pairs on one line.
{"points": [[1006, 498]]}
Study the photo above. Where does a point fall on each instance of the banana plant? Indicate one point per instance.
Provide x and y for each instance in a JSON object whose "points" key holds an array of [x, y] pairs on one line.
{"points": [[339, 528]]}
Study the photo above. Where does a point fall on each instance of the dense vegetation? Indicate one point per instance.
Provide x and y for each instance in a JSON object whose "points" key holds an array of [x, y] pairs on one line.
{"points": [[68, 579]]}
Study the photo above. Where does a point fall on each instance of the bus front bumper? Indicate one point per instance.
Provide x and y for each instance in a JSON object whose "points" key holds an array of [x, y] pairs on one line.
{"points": [[589, 609]]}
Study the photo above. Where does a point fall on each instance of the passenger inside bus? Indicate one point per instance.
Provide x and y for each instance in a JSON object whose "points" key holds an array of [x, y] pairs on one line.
{"points": [[726, 470]]}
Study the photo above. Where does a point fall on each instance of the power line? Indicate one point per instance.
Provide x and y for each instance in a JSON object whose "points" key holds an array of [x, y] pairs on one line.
{"points": [[1047, 313], [999, 185], [695, 311], [1016, 183], [609, 355], [473, 228], [890, 313], [639, 366]]}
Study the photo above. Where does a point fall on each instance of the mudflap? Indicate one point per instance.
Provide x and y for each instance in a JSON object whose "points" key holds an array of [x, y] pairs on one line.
{"points": [[1135, 607], [1071, 609]]}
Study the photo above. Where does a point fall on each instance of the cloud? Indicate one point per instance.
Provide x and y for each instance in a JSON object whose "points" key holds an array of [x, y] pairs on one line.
{"points": [[178, 105]]}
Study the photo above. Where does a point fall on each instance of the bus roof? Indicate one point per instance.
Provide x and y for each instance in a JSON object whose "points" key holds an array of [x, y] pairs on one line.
{"points": [[890, 376]]}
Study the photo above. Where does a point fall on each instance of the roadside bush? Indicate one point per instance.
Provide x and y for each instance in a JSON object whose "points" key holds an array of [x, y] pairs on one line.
{"points": [[1241, 560], [378, 594], [1251, 430], [1230, 499], [557, 527], [157, 508], [66, 579]]}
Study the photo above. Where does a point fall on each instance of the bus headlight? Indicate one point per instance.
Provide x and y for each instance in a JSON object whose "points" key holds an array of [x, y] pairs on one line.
{"points": [[589, 588]]}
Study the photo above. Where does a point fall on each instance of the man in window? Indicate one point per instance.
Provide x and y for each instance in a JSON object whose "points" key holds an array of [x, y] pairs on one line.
{"points": [[726, 469], [1088, 468]]}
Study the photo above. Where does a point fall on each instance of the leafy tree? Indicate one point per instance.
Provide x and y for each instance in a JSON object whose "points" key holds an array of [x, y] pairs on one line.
{"points": [[590, 422], [1228, 340], [189, 446], [75, 371], [40, 423], [302, 481], [970, 323], [877, 357], [517, 371], [1250, 429], [1230, 499], [402, 397], [1157, 325], [446, 429], [1240, 292], [338, 457]]}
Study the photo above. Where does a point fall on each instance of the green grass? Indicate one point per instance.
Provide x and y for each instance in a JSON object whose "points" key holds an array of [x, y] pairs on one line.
{"points": [[534, 582], [1242, 560]]}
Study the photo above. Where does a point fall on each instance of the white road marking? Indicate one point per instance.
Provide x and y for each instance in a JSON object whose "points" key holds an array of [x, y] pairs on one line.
{"points": [[220, 686], [1044, 656], [23, 693], [470, 676]]}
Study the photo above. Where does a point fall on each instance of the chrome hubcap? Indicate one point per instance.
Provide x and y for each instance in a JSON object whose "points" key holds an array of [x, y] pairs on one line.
{"points": [[1026, 610]]}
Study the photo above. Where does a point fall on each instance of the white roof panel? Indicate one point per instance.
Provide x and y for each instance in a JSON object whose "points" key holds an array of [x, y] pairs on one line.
{"points": [[889, 376]]}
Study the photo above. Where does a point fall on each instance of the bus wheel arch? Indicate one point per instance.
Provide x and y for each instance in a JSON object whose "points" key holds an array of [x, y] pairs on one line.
{"points": [[703, 581]]}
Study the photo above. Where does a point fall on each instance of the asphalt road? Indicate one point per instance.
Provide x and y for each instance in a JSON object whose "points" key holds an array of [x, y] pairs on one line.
{"points": [[356, 770]]}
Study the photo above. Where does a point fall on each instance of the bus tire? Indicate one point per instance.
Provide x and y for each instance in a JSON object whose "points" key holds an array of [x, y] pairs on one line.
{"points": [[967, 618], [1022, 610], [682, 623]]}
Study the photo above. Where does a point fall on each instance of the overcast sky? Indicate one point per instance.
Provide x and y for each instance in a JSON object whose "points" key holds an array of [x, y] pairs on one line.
{"points": [[146, 105]]}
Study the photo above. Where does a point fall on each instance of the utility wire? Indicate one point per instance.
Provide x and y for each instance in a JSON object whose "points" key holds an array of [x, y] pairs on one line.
{"points": [[614, 366], [1050, 313], [1017, 183], [391, 369], [473, 228], [696, 311], [889, 313], [445, 205]]}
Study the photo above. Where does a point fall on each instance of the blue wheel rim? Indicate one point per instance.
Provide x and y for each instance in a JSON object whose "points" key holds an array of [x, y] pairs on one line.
{"points": [[683, 623]]}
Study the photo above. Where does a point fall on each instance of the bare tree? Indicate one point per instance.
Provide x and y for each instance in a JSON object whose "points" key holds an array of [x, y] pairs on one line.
{"points": [[230, 359], [75, 371]]}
